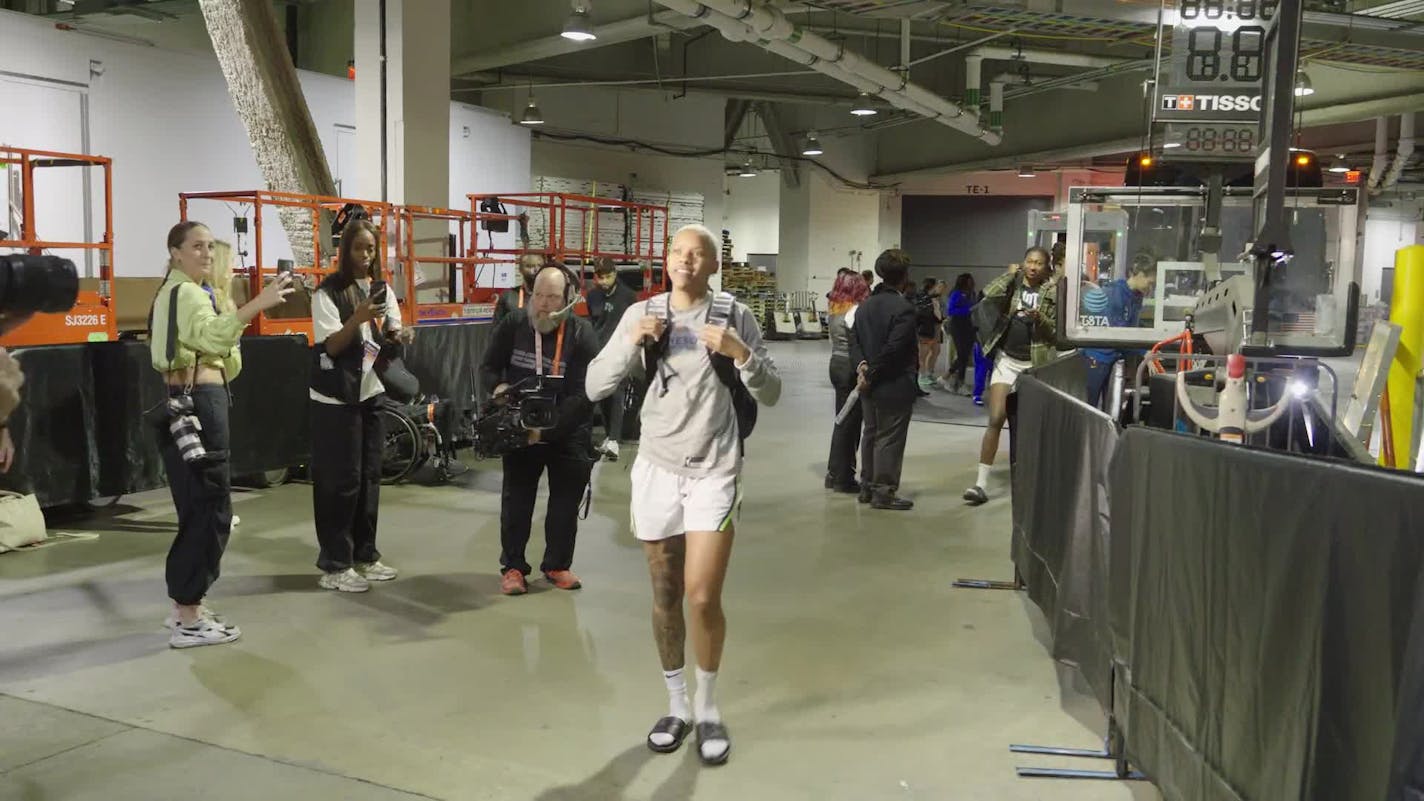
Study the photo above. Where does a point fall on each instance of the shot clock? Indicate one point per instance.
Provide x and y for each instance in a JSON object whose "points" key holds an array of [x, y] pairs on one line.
{"points": [[1216, 67], [1210, 141]]}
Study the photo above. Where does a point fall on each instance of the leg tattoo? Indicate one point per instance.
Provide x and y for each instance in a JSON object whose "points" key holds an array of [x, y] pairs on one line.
{"points": [[665, 565]]}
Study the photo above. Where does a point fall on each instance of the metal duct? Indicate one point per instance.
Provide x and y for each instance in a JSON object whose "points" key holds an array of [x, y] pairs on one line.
{"points": [[996, 105], [740, 20], [973, 79], [1403, 153], [1377, 167], [994, 53]]}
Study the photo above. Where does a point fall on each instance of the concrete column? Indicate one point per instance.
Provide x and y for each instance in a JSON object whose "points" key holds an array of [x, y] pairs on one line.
{"points": [[411, 95], [402, 53], [263, 83]]}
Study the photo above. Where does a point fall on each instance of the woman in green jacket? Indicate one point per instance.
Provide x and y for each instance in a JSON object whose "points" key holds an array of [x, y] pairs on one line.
{"points": [[193, 342]]}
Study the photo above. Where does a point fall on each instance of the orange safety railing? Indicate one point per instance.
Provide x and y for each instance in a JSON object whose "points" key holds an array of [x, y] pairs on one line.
{"points": [[569, 228], [92, 317], [456, 303], [294, 315]]}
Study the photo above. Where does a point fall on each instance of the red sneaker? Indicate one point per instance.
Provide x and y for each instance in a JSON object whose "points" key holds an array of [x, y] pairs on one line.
{"points": [[563, 579], [513, 583]]}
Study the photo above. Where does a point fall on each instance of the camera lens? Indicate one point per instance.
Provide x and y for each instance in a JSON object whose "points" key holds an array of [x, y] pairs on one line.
{"points": [[46, 284]]}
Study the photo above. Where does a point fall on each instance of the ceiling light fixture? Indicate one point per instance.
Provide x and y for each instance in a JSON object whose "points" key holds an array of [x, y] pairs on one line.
{"points": [[813, 145], [1026, 172], [579, 26], [1340, 165], [531, 115], [747, 170], [1303, 88], [862, 107]]}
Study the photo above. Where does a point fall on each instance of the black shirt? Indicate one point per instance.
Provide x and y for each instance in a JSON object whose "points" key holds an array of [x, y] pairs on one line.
{"points": [[605, 309], [510, 357]]}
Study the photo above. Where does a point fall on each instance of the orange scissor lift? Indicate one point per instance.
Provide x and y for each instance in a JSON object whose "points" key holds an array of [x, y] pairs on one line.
{"points": [[294, 317], [572, 225], [92, 317]]}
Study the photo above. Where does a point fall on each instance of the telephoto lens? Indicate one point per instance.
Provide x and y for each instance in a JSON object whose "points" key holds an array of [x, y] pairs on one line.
{"points": [[47, 284], [186, 429]]}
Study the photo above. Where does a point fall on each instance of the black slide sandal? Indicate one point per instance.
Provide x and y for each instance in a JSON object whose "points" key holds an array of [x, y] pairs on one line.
{"points": [[713, 731], [677, 727]]}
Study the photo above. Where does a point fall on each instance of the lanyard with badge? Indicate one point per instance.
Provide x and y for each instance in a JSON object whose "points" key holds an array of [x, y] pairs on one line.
{"points": [[539, 351]]}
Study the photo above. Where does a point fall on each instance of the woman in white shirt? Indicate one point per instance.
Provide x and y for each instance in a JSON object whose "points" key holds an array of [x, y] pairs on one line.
{"points": [[353, 315]]}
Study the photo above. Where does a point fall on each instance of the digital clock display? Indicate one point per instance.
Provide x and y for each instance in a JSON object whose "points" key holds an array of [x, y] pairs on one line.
{"points": [[1209, 141], [1217, 61]]}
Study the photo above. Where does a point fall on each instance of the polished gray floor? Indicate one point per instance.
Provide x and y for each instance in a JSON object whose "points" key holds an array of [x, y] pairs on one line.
{"points": [[853, 669]]}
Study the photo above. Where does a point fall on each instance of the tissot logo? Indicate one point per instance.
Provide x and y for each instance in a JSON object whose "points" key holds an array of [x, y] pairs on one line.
{"points": [[1211, 102]]}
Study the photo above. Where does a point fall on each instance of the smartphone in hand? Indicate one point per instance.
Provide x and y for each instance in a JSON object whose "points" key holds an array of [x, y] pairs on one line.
{"points": [[378, 294]]}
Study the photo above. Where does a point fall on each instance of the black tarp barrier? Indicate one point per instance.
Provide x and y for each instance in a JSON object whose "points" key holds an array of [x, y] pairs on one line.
{"points": [[1267, 612], [1060, 524], [127, 386], [1067, 373], [270, 420], [446, 359], [56, 456]]}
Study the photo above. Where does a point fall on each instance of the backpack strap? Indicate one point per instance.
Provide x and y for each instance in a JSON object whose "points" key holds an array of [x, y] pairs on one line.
{"points": [[720, 315]]}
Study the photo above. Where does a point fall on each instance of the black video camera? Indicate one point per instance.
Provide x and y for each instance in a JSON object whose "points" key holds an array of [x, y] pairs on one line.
{"points": [[29, 284], [504, 421]]}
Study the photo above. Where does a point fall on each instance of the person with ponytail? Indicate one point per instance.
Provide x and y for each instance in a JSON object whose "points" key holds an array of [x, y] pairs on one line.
{"points": [[353, 316], [846, 295], [193, 342]]}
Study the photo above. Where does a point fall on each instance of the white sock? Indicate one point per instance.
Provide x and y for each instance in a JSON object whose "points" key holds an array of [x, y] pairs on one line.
{"points": [[678, 705], [707, 712], [983, 481]]}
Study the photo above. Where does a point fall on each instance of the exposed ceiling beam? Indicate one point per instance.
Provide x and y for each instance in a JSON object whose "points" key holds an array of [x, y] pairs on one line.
{"points": [[782, 143], [508, 81], [1326, 115], [626, 30], [736, 111]]}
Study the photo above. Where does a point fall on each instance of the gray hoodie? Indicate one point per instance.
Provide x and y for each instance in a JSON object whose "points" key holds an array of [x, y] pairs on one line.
{"points": [[688, 424]]}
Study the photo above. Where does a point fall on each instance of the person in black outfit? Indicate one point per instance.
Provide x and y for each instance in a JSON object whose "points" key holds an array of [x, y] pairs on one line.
{"points": [[353, 316], [606, 303], [517, 298], [544, 339], [961, 329], [884, 346]]}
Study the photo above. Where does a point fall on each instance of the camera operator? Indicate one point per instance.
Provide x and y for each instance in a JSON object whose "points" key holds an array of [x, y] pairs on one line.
{"points": [[517, 298], [544, 339], [193, 341], [11, 380], [606, 304], [353, 316]]}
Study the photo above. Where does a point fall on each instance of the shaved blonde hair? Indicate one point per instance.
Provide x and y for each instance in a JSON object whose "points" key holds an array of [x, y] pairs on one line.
{"points": [[707, 236]]}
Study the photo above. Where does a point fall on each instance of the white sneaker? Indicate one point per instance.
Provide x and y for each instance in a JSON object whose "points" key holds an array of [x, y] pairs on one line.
{"points": [[610, 448], [204, 613], [235, 521], [375, 571], [204, 632], [346, 581]]}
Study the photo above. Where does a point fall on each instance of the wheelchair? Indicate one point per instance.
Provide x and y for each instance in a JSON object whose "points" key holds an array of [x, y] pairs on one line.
{"points": [[429, 431]]}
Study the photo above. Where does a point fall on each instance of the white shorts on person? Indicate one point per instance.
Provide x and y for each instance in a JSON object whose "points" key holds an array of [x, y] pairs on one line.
{"points": [[665, 504], [1007, 369]]}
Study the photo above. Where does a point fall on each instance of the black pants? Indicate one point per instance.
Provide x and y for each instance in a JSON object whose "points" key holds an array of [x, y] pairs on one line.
{"points": [[963, 335], [346, 482], [202, 494], [569, 468], [612, 409], [882, 446], [845, 440]]}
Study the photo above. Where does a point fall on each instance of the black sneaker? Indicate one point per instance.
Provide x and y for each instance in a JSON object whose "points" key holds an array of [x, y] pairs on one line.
{"points": [[851, 488], [865, 494], [892, 503], [976, 496]]}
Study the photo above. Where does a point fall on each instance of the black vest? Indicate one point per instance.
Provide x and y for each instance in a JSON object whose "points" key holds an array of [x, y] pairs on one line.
{"points": [[339, 376]]}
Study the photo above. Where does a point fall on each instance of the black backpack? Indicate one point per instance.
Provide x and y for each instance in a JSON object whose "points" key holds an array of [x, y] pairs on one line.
{"points": [[743, 403]]}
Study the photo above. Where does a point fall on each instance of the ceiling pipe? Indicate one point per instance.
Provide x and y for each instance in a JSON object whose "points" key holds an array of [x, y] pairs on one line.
{"points": [[973, 79], [742, 20], [626, 30], [994, 53], [1377, 167], [996, 104], [1403, 153]]}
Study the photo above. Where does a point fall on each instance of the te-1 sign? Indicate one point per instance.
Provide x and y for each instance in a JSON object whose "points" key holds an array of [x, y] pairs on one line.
{"points": [[977, 189]]}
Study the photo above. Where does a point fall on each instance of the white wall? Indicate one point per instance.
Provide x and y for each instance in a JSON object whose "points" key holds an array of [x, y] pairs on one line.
{"points": [[753, 214], [1383, 236], [166, 120], [843, 220]]}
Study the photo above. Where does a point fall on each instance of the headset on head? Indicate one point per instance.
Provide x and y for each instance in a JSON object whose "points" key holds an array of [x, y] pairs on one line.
{"points": [[571, 282]]}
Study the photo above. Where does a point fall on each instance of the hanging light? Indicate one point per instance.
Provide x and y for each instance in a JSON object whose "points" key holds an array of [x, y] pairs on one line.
{"points": [[813, 145], [532, 115], [747, 170], [862, 107], [1026, 172], [579, 27], [1302, 84], [1340, 165]]}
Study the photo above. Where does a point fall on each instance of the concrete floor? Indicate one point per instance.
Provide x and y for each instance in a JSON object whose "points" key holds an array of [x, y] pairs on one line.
{"points": [[853, 669]]}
